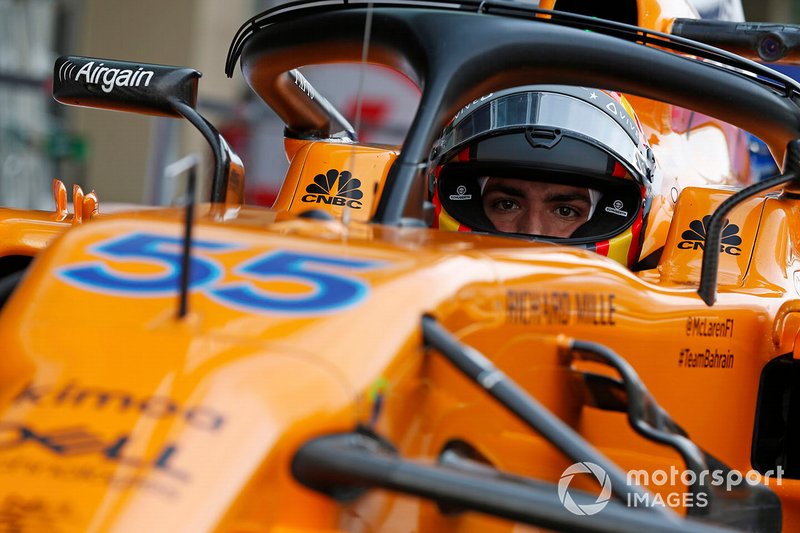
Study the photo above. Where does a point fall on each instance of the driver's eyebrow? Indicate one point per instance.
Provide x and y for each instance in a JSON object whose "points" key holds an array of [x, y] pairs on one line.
{"points": [[568, 197], [505, 189]]}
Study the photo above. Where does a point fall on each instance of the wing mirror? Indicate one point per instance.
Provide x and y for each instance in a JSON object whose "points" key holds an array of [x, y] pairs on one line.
{"points": [[124, 86], [151, 90]]}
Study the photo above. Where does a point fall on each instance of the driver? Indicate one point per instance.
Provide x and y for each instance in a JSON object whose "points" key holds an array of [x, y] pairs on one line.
{"points": [[547, 162], [536, 207]]}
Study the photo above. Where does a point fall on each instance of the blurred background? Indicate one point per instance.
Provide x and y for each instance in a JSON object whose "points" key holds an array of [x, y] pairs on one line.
{"points": [[122, 156]]}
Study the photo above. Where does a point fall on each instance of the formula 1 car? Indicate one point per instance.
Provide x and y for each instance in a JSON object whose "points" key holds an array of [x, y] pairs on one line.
{"points": [[335, 364]]}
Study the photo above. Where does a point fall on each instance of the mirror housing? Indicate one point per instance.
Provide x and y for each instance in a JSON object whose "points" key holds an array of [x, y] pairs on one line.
{"points": [[123, 85], [151, 90]]}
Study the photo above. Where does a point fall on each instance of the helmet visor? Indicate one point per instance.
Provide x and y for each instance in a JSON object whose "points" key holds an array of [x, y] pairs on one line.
{"points": [[609, 125]]}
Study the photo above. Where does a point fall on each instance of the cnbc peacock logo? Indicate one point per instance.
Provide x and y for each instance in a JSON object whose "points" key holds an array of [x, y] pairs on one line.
{"points": [[694, 238], [335, 188]]}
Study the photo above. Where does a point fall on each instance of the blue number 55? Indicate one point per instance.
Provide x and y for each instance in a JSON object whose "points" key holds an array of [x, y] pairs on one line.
{"points": [[163, 252], [323, 284], [326, 290]]}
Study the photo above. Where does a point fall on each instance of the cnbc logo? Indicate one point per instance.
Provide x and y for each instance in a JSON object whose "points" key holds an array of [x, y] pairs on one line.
{"points": [[694, 238], [335, 188]]}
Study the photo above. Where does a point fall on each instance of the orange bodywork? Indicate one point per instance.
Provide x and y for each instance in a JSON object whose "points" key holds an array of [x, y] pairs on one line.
{"points": [[120, 416]]}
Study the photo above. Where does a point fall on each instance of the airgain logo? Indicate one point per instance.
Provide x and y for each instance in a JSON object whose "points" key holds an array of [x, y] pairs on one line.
{"points": [[325, 190], [694, 238], [108, 78]]}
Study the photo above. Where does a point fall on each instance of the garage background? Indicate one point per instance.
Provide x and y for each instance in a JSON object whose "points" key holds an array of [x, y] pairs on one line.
{"points": [[123, 156]]}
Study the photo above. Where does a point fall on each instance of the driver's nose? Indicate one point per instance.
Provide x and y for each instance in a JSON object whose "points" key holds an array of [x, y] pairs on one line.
{"points": [[532, 224]]}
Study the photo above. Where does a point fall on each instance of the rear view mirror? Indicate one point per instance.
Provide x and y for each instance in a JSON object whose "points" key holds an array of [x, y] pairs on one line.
{"points": [[151, 90], [124, 86]]}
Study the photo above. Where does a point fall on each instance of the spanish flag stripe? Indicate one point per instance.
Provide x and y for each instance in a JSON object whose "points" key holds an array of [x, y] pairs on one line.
{"points": [[618, 247]]}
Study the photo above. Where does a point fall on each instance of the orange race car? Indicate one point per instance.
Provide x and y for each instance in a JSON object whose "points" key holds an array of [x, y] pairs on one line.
{"points": [[402, 342]]}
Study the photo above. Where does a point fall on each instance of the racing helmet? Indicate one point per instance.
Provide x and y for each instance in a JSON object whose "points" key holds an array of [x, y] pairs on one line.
{"points": [[546, 162]]}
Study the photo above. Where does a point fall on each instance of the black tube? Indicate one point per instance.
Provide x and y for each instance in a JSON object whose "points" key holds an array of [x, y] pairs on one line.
{"points": [[228, 168], [481, 371], [186, 259], [343, 461], [646, 416], [742, 506]]}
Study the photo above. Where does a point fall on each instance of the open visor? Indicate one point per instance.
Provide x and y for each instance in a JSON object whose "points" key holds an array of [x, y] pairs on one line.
{"points": [[468, 193], [590, 114]]}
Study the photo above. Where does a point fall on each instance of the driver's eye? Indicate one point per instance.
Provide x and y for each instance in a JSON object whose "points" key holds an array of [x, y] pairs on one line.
{"points": [[505, 205], [567, 211]]}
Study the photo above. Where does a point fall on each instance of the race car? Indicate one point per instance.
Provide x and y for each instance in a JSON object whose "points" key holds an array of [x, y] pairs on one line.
{"points": [[370, 354]]}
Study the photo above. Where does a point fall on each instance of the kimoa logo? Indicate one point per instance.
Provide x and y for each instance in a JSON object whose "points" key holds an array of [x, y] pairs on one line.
{"points": [[347, 193], [106, 77], [74, 395], [694, 238]]}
